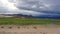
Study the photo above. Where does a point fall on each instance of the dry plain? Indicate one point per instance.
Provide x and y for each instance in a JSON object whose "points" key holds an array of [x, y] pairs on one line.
{"points": [[30, 29]]}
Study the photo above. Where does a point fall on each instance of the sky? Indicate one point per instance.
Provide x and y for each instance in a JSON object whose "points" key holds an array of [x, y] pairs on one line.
{"points": [[30, 7]]}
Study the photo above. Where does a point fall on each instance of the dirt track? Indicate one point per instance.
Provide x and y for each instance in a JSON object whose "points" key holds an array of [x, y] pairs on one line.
{"points": [[30, 29]]}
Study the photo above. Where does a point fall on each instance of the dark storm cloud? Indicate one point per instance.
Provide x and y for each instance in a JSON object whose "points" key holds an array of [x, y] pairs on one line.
{"points": [[41, 5]]}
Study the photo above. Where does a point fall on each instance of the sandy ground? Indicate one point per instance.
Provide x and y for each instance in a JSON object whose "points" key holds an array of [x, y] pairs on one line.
{"points": [[31, 29]]}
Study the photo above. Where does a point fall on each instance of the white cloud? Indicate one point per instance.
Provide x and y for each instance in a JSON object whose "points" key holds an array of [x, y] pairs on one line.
{"points": [[9, 6], [34, 6]]}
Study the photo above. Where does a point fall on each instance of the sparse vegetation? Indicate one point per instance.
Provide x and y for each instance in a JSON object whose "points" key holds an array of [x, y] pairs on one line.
{"points": [[28, 21], [10, 27], [18, 27], [2, 26], [35, 27]]}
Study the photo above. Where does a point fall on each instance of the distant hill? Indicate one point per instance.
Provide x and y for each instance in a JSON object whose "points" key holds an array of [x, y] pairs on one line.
{"points": [[30, 16], [16, 15]]}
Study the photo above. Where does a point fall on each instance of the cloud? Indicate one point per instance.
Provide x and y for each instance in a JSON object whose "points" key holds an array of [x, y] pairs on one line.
{"points": [[39, 5], [8, 7], [30, 7], [35, 5]]}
